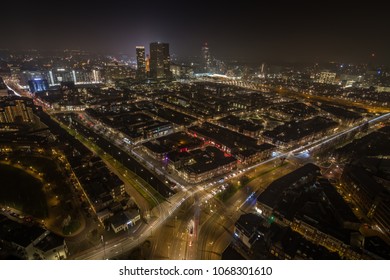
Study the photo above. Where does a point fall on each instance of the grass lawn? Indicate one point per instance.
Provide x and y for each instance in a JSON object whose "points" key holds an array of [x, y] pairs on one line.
{"points": [[71, 228], [228, 192], [51, 173], [22, 191]]}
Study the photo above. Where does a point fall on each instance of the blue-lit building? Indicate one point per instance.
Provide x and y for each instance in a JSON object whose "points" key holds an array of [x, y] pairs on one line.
{"points": [[38, 84]]}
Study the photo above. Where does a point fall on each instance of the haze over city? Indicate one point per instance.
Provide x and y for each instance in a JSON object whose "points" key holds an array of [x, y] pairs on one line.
{"points": [[252, 32]]}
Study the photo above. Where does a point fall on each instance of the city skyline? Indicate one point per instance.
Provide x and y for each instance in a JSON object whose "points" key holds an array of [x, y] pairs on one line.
{"points": [[248, 32]]}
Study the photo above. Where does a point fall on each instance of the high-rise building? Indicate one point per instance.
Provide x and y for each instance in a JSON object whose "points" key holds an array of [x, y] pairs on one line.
{"points": [[112, 72], [38, 84], [160, 61], [181, 71], [147, 65], [28, 75], [206, 58], [141, 66], [77, 76], [96, 76], [59, 75], [327, 77], [16, 110]]}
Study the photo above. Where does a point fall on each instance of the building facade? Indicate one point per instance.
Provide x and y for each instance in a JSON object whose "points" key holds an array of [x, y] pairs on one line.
{"points": [[206, 58], [141, 65], [16, 110], [38, 85], [160, 61], [327, 78]]}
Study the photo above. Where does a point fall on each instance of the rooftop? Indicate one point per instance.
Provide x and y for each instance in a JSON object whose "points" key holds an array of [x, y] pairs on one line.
{"points": [[208, 160], [306, 196], [51, 241], [364, 179], [296, 246], [296, 130], [179, 141], [340, 113], [249, 223], [224, 136], [274, 191], [119, 219]]}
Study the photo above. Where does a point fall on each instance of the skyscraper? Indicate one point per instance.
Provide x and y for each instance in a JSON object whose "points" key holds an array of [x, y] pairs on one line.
{"points": [[141, 66], [160, 61], [147, 64], [206, 58], [38, 84]]}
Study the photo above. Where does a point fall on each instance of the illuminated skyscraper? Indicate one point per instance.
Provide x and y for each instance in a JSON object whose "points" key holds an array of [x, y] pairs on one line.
{"points": [[147, 64], [38, 85], [160, 61], [141, 66], [206, 58], [96, 76]]}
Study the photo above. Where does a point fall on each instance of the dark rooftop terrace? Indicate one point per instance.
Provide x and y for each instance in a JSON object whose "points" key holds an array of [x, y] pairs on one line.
{"points": [[208, 160]]}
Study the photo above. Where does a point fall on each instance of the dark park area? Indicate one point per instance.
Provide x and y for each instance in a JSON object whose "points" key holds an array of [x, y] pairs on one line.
{"points": [[22, 191]]}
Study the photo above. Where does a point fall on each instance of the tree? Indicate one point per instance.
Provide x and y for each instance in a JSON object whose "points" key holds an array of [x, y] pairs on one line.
{"points": [[244, 180]]}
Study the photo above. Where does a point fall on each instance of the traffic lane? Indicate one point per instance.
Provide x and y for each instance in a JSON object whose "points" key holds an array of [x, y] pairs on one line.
{"points": [[124, 158], [173, 232]]}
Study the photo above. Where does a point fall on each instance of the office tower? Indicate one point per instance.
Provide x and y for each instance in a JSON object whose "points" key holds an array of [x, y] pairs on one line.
{"points": [[96, 76], [38, 84], [59, 75], [160, 61], [206, 58], [28, 75], [147, 65], [141, 66]]}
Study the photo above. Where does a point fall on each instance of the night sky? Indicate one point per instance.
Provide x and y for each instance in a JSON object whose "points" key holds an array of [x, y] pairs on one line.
{"points": [[246, 31]]}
